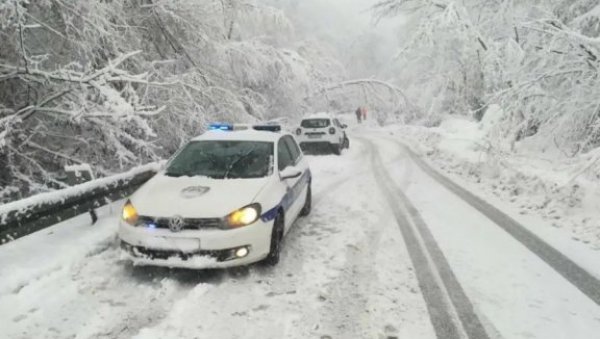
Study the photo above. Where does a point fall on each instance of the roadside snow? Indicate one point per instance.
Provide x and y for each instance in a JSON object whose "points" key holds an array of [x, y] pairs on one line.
{"points": [[546, 187], [55, 248]]}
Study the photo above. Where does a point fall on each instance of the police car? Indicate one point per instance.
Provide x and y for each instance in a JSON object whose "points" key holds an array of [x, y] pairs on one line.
{"points": [[227, 198], [322, 130]]}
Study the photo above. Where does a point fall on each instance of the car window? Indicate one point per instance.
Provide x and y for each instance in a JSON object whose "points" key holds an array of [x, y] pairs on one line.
{"points": [[293, 148], [315, 123], [336, 123], [221, 159], [283, 155]]}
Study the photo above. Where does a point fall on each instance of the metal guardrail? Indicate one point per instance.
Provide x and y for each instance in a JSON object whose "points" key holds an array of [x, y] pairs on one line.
{"points": [[39, 215]]}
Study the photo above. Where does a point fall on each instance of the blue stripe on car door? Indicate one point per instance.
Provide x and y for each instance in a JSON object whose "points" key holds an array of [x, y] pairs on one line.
{"points": [[290, 196]]}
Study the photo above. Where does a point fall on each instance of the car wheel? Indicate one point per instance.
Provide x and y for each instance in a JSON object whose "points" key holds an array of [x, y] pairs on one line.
{"points": [[336, 148], [346, 143], [307, 203], [276, 238]]}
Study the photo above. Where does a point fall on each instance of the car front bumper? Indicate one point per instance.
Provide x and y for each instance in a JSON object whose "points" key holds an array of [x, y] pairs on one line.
{"points": [[196, 249]]}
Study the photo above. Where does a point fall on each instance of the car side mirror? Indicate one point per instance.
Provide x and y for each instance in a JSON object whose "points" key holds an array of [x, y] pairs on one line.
{"points": [[290, 172], [344, 126]]}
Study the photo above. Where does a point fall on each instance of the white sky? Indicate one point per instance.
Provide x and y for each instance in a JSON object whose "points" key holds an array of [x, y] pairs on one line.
{"points": [[344, 25]]}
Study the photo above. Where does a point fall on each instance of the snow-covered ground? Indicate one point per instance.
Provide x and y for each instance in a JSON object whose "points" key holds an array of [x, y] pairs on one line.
{"points": [[346, 271], [342, 274]]}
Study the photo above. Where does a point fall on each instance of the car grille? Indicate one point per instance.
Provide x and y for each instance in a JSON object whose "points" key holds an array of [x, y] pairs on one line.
{"points": [[315, 133], [188, 223]]}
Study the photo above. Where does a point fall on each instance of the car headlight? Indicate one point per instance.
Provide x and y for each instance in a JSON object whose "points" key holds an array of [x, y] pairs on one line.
{"points": [[130, 214], [244, 216]]}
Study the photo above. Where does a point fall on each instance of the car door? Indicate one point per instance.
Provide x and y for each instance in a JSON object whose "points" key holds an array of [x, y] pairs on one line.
{"points": [[285, 160], [300, 163], [289, 154]]}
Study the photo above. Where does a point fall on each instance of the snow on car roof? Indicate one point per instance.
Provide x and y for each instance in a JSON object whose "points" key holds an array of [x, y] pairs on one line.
{"points": [[243, 135]]}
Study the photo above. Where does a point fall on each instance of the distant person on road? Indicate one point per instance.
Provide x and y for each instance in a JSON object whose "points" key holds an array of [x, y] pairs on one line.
{"points": [[359, 114], [364, 113]]}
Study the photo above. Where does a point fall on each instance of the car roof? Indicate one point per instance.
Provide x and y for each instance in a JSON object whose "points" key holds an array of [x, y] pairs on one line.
{"points": [[243, 135]]}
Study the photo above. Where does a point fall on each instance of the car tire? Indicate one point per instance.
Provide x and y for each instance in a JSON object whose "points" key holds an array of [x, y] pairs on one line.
{"points": [[346, 143], [276, 239], [307, 203], [336, 148]]}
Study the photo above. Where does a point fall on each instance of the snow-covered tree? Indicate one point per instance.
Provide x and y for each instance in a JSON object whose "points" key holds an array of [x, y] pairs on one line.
{"points": [[537, 59], [119, 83]]}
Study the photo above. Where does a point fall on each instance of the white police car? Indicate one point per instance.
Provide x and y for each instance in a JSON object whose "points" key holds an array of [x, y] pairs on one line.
{"points": [[322, 130], [227, 198]]}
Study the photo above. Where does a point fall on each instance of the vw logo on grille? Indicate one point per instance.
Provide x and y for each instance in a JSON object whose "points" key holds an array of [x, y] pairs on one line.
{"points": [[176, 224]]}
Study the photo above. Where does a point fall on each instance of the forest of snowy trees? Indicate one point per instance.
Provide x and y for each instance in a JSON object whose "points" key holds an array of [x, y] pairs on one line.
{"points": [[121, 83], [537, 59]]}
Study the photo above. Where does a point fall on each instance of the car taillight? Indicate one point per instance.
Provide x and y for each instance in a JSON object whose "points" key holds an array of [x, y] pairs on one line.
{"points": [[299, 131], [332, 130]]}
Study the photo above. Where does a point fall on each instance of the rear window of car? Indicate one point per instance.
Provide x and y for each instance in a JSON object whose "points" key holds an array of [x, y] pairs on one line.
{"points": [[315, 123]]}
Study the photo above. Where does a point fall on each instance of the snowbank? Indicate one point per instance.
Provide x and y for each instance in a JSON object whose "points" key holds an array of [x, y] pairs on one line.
{"points": [[548, 187], [55, 249]]}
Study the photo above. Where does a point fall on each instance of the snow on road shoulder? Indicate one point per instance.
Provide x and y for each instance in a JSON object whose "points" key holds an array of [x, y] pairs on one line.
{"points": [[55, 248], [67, 281], [531, 187]]}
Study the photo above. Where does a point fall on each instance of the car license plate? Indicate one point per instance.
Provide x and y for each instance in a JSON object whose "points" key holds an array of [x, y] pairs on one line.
{"points": [[169, 243], [314, 136]]}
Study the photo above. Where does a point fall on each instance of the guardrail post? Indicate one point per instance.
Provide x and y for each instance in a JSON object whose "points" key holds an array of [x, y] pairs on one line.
{"points": [[78, 174]]}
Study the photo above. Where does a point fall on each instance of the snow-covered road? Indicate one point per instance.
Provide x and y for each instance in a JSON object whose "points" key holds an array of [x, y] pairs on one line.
{"points": [[388, 252]]}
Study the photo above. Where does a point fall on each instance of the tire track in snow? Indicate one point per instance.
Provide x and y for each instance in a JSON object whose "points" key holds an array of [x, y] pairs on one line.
{"points": [[583, 280], [445, 298], [357, 280]]}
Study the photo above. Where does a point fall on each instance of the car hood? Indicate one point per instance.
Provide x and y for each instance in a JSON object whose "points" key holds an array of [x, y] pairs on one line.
{"points": [[195, 197]]}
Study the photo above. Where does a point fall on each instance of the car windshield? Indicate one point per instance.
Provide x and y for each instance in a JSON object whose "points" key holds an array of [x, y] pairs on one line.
{"points": [[315, 123], [222, 159]]}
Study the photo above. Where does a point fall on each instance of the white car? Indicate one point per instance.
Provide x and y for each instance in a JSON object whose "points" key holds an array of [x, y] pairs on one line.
{"points": [[322, 130], [225, 199]]}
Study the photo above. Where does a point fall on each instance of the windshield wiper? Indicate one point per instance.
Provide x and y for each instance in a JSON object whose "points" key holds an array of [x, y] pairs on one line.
{"points": [[242, 157]]}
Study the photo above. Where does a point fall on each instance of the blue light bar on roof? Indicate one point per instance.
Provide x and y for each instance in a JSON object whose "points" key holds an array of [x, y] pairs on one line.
{"points": [[220, 127]]}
